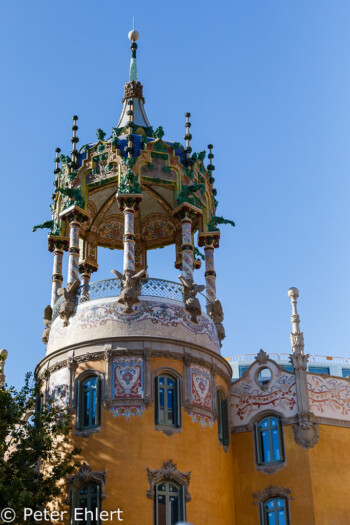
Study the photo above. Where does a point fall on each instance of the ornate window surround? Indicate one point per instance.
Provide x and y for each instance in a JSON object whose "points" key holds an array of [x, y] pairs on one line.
{"points": [[86, 432], [262, 496], [84, 476], [225, 396], [273, 466], [166, 370], [168, 472]]}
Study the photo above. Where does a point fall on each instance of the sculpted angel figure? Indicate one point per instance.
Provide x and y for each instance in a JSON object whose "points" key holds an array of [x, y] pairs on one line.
{"points": [[68, 305], [131, 285], [192, 304]]}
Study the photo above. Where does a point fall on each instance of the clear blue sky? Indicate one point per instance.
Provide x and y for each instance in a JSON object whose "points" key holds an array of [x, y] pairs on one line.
{"points": [[267, 82]]}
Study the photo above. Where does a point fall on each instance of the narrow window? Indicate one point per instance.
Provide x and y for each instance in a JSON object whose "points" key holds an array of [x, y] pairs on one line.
{"points": [[86, 505], [88, 409], [275, 512], [223, 423], [269, 440], [167, 401], [169, 504]]}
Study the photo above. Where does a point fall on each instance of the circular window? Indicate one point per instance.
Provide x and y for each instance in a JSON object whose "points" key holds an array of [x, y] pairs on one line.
{"points": [[264, 376]]}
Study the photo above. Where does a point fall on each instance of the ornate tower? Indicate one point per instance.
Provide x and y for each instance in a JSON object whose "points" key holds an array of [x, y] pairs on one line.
{"points": [[138, 358]]}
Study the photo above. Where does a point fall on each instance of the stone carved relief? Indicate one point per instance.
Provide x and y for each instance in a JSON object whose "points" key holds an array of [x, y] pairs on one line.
{"points": [[86, 475], [192, 304], [131, 284], [68, 306], [216, 313], [47, 324], [306, 430], [262, 357], [168, 472], [272, 492]]}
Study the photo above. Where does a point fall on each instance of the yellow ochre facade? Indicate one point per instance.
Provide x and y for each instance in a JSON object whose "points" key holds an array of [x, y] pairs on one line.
{"points": [[166, 435]]}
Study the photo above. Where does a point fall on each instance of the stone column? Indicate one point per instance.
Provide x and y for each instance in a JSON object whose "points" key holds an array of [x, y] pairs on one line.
{"points": [[86, 269], [57, 245], [75, 216], [306, 431], [210, 241], [129, 204], [187, 213]]}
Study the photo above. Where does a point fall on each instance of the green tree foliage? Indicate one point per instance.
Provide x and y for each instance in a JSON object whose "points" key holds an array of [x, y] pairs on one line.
{"points": [[36, 453]]}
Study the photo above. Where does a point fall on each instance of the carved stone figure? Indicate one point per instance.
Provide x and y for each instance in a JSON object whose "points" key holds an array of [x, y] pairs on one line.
{"points": [[306, 430], [68, 305], [47, 324], [131, 285], [216, 313], [192, 304]]}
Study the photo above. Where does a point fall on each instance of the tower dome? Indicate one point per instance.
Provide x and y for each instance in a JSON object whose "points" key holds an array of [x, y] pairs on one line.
{"points": [[139, 348]]}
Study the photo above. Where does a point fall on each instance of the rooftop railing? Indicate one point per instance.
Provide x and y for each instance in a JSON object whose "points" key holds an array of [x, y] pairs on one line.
{"points": [[150, 287], [285, 357]]}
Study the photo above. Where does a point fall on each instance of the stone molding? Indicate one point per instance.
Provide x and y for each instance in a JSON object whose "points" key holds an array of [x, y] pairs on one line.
{"points": [[168, 472], [262, 357], [86, 475], [272, 492], [306, 430]]}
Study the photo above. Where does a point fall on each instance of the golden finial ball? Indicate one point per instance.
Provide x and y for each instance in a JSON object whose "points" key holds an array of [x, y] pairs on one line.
{"points": [[133, 35]]}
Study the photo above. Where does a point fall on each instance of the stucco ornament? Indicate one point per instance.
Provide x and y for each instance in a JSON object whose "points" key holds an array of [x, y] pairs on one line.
{"points": [[192, 304], [306, 430], [168, 472], [272, 492], [131, 285], [47, 324], [86, 475], [262, 357], [69, 303], [216, 313]]}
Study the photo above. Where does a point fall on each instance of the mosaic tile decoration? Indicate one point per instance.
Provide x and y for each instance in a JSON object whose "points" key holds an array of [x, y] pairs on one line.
{"points": [[127, 411], [329, 396], [204, 421], [201, 389], [127, 378]]}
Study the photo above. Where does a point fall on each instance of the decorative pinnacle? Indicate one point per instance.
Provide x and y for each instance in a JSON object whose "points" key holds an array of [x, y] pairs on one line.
{"points": [[74, 140], [188, 135], [57, 161], [133, 36], [211, 166], [129, 149], [296, 337]]}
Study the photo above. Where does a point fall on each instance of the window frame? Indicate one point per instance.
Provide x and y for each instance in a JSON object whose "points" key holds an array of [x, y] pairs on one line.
{"points": [[75, 501], [223, 418], [166, 374], [258, 441], [181, 502], [79, 405], [264, 510]]}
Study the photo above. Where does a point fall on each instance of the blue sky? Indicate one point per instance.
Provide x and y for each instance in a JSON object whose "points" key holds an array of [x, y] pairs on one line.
{"points": [[268, 83]]}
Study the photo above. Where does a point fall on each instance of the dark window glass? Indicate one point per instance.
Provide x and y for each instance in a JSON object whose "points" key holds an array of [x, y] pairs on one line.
{"points": [[89, 403], [223, 422], [289, 368], [269, 440], [86, 507], [318, 370], [345, 372], [169, 504], [275, 512], [167, 393]]}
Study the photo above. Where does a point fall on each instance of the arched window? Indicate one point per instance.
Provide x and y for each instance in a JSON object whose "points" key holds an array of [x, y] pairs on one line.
{"points": [[86, 505], [223, 424], [169, 503], [167, 400], [89, 401], [275, 512], [269, 440]]}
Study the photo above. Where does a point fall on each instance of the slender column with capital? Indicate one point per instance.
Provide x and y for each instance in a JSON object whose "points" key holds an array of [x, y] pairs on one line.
{"points": [[75, 216], [210, 241], [57, 245], [129, 204], [86, 269], [186, 213], [306, 432]]}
